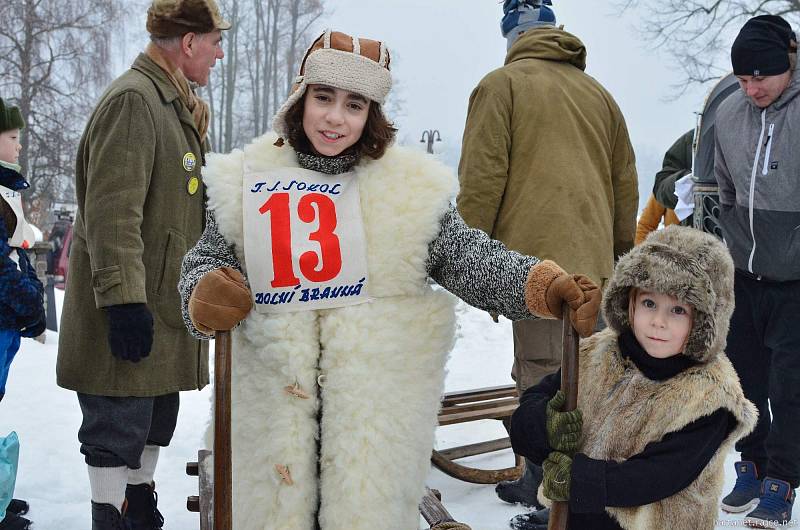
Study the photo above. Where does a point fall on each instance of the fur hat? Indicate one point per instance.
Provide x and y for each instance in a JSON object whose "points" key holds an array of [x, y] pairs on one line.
{"points": [[521, 15], [10, 118], [175, 18], [694, 267], [341, 61]]}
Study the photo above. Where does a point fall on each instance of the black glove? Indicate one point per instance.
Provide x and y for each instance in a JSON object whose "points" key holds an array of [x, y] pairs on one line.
{"points": [[35, 327], [130, 331]]}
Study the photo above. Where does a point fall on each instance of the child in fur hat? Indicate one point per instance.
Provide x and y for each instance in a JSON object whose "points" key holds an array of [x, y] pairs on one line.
{"points": [[336, 384], [659, 404], [21, 292]]}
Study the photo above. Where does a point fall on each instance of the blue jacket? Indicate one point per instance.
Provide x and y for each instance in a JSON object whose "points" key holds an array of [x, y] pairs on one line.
{"points": [[21, 292]]}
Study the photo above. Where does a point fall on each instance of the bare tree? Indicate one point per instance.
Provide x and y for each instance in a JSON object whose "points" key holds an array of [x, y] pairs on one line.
{"points": [[54, 58], [697, 34], [262, 55]]}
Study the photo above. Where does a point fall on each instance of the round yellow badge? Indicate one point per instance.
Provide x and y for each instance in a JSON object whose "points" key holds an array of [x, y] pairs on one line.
{"points": [[193, 185], [189, 161]]}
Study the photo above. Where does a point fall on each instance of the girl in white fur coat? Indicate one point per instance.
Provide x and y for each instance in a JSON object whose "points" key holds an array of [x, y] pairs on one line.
{"points": [[338, 372]]}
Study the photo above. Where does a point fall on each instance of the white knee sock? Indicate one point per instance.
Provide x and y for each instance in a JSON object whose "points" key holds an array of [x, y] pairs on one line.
{"points": [[149, 459], [108, 485]]}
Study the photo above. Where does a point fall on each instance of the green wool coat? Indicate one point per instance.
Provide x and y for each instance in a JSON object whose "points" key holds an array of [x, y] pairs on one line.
{"points": [[136, 219], [677, 164], [546, 163]]}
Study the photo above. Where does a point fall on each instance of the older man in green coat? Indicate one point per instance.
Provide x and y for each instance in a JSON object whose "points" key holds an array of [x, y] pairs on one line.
{"points": [[123, 346]]}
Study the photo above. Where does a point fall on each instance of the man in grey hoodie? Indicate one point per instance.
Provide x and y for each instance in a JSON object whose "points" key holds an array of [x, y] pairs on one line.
{"points": [[757, 168]]}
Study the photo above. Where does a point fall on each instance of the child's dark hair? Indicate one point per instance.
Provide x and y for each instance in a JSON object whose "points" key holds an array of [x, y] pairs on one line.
{"points": [[8, 217], [377, 136]]}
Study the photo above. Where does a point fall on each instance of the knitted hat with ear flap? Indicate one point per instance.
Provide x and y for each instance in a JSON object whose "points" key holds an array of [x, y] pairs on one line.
{"points": [[10, 117], [338, 60]]}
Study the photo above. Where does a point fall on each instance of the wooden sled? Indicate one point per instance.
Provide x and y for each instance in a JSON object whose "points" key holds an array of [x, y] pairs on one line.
{"points": [[492, 403]]}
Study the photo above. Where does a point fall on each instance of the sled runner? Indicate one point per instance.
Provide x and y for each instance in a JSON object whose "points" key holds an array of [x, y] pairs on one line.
{"points": [[492, 403]]}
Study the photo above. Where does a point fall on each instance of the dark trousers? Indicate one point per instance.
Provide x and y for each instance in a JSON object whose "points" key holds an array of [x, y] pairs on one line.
{"points": [[764, 347], [115, 430]]}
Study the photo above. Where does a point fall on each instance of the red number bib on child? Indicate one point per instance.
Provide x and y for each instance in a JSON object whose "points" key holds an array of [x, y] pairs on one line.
{"points": [[304, 240]]}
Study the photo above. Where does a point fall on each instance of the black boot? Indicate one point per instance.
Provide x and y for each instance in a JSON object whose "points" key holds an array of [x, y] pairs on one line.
{"points": [[143, 511], [537, 520], [18, 507], [522, 490], [531, 521], [13, 521], [107, 517]]}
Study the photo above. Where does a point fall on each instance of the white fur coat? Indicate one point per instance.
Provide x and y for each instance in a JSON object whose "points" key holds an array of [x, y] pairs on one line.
{"points": [[343, 401]]}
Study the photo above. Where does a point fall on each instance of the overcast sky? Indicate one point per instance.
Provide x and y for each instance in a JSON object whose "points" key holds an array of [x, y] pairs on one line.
{"points": [[442, 49]]}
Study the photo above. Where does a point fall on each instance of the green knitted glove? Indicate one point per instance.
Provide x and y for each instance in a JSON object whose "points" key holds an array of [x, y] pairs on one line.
{"points": [[563, 428], [557, 471]]}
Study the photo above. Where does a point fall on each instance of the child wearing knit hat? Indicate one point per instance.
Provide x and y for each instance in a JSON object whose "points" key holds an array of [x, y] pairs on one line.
{"points": [[317, 251], [21, 292], [659, 403]]}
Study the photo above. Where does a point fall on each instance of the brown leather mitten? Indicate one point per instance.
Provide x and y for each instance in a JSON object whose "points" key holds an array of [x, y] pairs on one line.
{"points": [[584, 318], [220, 300], [548, 287]]}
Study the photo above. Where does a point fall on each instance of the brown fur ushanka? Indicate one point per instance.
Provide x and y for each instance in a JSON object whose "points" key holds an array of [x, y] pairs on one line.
{"points": [[688, 264]]}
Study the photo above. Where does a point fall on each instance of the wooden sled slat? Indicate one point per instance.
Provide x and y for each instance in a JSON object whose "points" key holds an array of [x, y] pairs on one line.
{"points": [[490, 403], [497, 411], [491, 392], [464, 451]]}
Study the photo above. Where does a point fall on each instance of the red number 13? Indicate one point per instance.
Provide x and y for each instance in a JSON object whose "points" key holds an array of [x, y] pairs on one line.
{"points": [[330, 249]]}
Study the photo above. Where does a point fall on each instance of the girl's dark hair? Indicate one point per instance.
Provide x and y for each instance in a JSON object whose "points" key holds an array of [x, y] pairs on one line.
{"points": [[377, 136]]}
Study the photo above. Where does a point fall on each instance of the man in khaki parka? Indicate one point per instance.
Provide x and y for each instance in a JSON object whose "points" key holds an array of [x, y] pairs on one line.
{"points": [[123, 346], [546, 165]]}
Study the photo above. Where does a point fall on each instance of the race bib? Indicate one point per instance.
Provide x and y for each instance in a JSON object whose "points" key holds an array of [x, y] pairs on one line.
{"points": [[23, 236], [304, 240]]}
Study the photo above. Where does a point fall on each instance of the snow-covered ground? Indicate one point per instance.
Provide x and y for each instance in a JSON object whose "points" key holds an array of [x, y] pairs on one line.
{"points": [[52, 475]]}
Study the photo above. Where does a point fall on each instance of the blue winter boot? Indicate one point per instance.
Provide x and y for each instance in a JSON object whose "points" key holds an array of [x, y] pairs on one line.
{"points": [[774, 507], [746, 490]]}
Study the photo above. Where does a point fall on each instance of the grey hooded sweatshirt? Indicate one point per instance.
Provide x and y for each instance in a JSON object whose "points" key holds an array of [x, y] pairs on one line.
{"points": [[757, 166]]}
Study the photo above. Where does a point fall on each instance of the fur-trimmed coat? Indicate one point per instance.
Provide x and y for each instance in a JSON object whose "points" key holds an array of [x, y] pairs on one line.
{"points": [[334, 411], [624, 411]]}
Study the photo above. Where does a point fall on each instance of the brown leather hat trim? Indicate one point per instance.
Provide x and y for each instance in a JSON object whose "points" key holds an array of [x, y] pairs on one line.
{"points": [[371, 49]]}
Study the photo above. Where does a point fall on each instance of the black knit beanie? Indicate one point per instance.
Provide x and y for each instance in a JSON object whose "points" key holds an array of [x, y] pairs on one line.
{"points": [[762, 47], [10, 118]]}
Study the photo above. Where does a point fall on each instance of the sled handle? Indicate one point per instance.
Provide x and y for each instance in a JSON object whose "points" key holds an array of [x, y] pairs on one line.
{"points": [[559, 511], [223, 502]]}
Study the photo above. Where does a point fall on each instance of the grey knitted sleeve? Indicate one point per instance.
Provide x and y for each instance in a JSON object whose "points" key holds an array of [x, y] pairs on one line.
{"points": [[478, 269], [211, 252]]}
